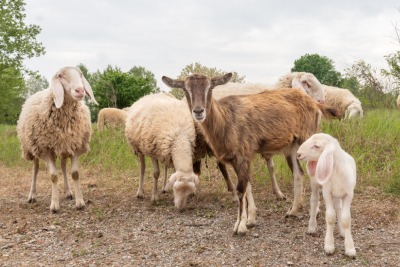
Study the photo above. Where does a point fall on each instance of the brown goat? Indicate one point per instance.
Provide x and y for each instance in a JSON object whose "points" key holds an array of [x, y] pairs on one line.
{"points": [[238, 127]]}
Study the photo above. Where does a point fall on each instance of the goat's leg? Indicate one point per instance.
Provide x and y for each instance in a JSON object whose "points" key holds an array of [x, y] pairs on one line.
{"points": [[242, 169], [330, 218], [346, 224], [79, 203], [140, 192], [223, 170], [298, 173], [67, 189], [156, 174], [271, 170], [55, 199], [314, 200], [165, 178], [251, 220], [32, 192]]}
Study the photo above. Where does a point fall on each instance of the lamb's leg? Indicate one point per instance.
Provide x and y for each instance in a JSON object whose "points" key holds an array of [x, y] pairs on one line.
{"points": [[337, 204], [55, 199], [79, 203], [32, 192], [140, 193], [314, 200], [242, 169], [346, 224], [156, 174], [165, 178], [251, 220], [275, 186], [330, 218], [223, 170], [297, 172], [67, 189]]}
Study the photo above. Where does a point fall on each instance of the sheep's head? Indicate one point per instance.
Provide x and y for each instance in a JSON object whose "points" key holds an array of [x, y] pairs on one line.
{"points": [[69, 82], [318, 151], [198, 90], [310, 84], [184, 184]]}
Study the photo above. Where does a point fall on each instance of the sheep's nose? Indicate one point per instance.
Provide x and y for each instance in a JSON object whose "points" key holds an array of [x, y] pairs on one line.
{"points": [[198, 111], [79, 90], [299, 156]]}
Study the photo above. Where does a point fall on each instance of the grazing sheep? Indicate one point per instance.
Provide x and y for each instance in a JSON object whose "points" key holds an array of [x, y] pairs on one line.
{"points": [[398, 102], [238, 127], [111, 118], [330, 166], [344, 101], [157, 127], [55, 123]]}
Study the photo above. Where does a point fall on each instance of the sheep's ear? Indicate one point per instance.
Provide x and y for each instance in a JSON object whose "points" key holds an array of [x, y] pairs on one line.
{"points": [[173, 83], [297, 84], [58, 90], [221, 80], [171, 182], [324, 167], [88, 89]]}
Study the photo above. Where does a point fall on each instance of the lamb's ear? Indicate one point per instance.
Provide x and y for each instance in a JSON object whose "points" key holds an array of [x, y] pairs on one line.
{"points": [[221, 79], [171, 182], [88, 89], [297, 84], [58, 90], [311, 165], [173, 83], [324, 167]]}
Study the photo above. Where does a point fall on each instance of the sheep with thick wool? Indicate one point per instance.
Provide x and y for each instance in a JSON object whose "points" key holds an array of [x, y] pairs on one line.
{"points": [[112, 118], [157, 127], [334, 169], [344, 101], [55, 123]]}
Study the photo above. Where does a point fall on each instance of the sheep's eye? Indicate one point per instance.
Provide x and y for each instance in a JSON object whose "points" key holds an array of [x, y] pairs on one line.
{"points": [[315, 146]]}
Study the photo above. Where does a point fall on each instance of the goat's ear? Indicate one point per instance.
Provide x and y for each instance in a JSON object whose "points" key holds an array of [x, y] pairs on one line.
{"points": [[221, 79], [88, 89], [173, 83], [297, 84], [58, 90], [171, 182], [324, 167]]}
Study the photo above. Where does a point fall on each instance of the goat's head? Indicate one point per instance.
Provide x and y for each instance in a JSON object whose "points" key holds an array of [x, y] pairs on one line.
{"points": [[198, 90], [310, 84], [318, 151], [184, 184], [69, 82]]}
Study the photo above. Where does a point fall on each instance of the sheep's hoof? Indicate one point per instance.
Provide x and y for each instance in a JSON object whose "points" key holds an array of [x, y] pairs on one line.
{"points": [[54, 209], [329, 250], [69, 197], [80, 206], [250, 225], [140, 196], [351, 253], [31, 200], [164, 191], [292, 213], [280, 196]]}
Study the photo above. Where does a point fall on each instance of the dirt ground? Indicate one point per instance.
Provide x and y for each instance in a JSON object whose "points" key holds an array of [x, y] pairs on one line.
{"points": [[116, 229]]}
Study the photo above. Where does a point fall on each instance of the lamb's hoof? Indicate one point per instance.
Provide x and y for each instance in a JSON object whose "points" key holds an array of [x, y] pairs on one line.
{"points": [[329, 250], [351, 253], [312, 231]]}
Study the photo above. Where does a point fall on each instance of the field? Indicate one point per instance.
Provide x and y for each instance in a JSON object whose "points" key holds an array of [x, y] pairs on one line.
{"points": [[117, 229]]}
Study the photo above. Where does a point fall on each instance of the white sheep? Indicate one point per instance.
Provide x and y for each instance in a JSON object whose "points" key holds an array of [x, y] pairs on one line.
{"points": [[398, 102], [157, 127], [330, 166], [344, 101], [55, 123], [112, 118]]}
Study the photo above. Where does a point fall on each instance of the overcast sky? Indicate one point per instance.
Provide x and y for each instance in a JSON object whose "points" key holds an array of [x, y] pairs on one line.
{"points": [[258, 39]]}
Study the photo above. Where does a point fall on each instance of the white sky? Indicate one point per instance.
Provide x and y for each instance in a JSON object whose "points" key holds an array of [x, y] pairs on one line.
{"points": [[260, 39]]}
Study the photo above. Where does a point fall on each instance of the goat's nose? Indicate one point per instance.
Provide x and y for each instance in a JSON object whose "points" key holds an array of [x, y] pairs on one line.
{"points": [[198, 111]]}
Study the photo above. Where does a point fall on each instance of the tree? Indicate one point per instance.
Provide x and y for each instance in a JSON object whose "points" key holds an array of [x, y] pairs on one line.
{"points": [[34, 84], [321, 66], [118, 89], [197, 68], [17, 43]]}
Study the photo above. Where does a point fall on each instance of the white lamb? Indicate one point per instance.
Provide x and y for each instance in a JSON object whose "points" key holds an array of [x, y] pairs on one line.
{"points": [[330, 166], [157, 127], [55, 123], [344, 101]]}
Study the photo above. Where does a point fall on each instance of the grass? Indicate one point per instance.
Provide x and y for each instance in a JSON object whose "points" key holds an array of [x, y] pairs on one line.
{"points": [[373, 142]]}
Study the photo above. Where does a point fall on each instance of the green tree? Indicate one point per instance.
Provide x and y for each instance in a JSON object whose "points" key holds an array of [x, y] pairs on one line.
{"points": [[321, 66], [197, 68], [34, 84], [17, 43], [115, 88]]}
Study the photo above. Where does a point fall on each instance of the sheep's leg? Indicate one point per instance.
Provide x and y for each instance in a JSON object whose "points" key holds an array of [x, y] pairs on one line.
{"points": [[67, 189], [346, 224], [314, 201], [55, 199], [330, 218], [165, 178], [251, 220], [297, 172], [140, 193], [275, 186], [337, 204], [32, 192], [156, 174], [79, 203], [223, 170], [242, 169]]}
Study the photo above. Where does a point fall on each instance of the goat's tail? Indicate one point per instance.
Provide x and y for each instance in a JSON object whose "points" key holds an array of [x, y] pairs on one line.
{"points": [[330, 112]]}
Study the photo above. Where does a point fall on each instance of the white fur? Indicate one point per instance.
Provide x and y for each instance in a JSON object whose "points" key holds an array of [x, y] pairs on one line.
{"points": [[111, 118], [344, 101], [335, 170]]}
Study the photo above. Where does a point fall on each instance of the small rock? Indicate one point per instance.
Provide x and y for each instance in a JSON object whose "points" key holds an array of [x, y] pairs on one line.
{"points": [[369, 227]]}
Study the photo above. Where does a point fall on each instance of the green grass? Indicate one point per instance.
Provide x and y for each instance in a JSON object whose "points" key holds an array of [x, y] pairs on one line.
{"points": [[374, 142]]}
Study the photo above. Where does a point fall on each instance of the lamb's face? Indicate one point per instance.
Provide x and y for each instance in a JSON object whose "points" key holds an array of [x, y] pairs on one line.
{"points": [[184, 185], [312, 148]]}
